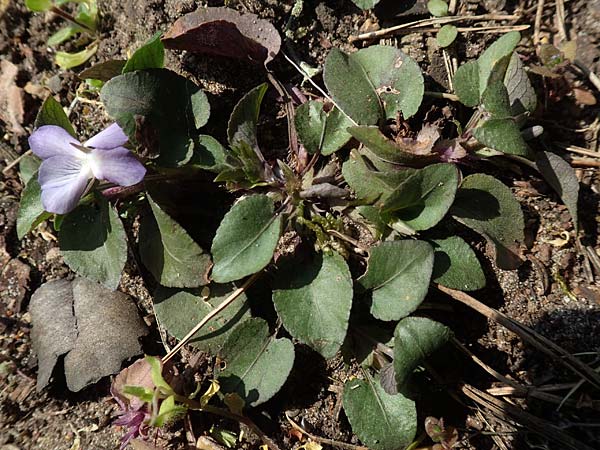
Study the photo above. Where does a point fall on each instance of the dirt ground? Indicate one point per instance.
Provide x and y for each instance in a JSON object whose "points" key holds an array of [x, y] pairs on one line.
{"points": [[555, 292]]}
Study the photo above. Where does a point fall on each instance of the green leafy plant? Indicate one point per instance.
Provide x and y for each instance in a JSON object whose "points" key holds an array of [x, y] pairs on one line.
{"points": [[362, 220], [83, 22]]}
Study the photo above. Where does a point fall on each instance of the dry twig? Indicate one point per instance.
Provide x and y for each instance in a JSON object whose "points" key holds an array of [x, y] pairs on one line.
{"points": [[429, 23]]}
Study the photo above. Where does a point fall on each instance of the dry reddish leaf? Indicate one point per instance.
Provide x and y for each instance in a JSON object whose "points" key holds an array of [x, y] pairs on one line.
{"points": [[11, 97], [138, 374], [225, 32], [584, 97]]}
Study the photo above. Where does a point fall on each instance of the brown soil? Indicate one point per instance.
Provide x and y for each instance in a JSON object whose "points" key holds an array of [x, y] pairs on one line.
{"points": [[567, 312]]}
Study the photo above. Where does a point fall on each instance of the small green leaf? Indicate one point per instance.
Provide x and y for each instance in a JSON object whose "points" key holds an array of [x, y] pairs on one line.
{"points": [[93, 243], [487, 206], [438, 8], [87, 13], [386, 149], [381, 421], [455, 265], [210, 155], [257, 364], [246, 239], [365, 4], [51, 113], [151, 55], [447, 35], [169, 253], [363, 180], [103, 71], [28, 167], [156, 374], [520, 91], [320, 130], [495, 100], [38, 5], [425, 197], [415, 339], [244, 118], [466, 83], [180, 311], [374, 83], [144, 394], [501, 48], [63, 34], [398, 275], [169, 412], [314, 302], [561, 176], [31, 211], [69, 60], [502, 135], [170, 105]]}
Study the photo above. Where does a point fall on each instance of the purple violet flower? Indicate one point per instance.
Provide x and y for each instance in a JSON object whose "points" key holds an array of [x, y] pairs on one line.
{"points": [[67, 165]]}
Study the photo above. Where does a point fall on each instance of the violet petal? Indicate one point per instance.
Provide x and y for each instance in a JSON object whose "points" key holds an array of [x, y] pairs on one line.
{"points": [[63, 180], [117, 165], [51, 140], [111, 137]]}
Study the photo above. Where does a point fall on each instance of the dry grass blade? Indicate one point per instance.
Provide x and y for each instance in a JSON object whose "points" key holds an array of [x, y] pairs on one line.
{"points": [[430, 23], [578, 150], [538, 22], [516, 389], [530, 336], [321, 440], [224, 304], [505, 410]]}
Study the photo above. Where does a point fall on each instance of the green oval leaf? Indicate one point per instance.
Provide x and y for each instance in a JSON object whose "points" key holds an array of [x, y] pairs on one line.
{"points": [[52, 113], [180, 311], [487, 206], [388, 150], [501, 48], [28, 167], [63, 34], [381, 421], [466, 83], [246, 239], [93, 243], [447, 35], [151, 55], [314, 302], [561, 176], [374, 83], [244, 118], [455, 265], [424, 198], [365, 4], [415, 339], [165, 102], [438, 8], [520, 90], [69, 60], [503, 135], [257, 364], [169, 253], [320, 130], [398, 275], [31, 211], [38, 5]]}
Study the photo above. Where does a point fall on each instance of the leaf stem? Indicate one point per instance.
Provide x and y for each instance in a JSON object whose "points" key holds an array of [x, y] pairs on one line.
{"points": [[69, 18], [224, 304], [444, 95]]}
